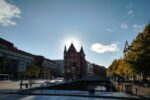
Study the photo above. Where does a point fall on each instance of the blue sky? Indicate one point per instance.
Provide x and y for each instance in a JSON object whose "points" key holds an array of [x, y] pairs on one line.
{"points": [[43, 27]]}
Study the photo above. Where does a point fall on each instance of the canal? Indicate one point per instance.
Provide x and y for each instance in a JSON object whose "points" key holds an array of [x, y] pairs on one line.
{"points": [[82, 86]]}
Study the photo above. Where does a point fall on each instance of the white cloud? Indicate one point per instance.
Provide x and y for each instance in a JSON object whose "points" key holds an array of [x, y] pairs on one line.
{"points": [[124, 26], [138, 28], [100, 48], [130, 13], [7, 13], [109, 30]]}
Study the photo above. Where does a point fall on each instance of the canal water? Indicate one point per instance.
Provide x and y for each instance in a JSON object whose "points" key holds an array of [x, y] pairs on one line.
{"points": [[83, 86]]}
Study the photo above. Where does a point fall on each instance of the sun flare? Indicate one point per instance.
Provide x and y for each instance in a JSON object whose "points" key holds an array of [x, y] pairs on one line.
{"points": [[75, 41]]}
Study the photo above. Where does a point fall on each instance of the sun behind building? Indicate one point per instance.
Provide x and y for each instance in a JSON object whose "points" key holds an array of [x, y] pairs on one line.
{"points": [[74, 63]]}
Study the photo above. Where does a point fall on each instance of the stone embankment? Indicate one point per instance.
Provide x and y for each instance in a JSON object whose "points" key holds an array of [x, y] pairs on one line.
{"points": [[132, 88]]}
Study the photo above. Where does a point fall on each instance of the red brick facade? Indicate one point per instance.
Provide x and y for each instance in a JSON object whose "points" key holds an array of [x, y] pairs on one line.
{"points": [[74, 63]]}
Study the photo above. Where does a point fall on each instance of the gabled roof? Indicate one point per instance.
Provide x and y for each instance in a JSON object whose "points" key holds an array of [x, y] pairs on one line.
{"points": [[72, 48]]}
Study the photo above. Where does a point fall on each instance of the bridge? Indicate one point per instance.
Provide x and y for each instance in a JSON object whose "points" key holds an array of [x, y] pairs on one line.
{"points": [[83, 84]]}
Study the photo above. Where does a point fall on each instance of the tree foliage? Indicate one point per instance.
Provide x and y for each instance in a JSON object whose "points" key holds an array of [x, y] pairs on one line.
{"points": [[137, 59], [120, 68], [139, 55], [47, 73], [32, 71]]}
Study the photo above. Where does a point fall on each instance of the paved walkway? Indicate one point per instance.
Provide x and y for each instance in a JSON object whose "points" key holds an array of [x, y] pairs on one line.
{"points": [[15, 85], [9, 85]]}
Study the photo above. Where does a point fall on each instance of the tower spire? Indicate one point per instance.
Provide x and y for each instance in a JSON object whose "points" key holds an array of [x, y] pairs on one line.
{"points": [[82, 52], [65, 49], [126, 47]]}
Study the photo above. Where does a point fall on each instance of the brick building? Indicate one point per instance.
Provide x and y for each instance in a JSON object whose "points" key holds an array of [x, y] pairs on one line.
{"points": [[99, 70], [74, 63]]}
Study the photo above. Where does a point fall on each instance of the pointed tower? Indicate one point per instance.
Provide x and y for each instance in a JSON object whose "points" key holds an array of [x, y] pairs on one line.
{"points": [[82, 52], [72, 48], [126, 48], [65, 50]]}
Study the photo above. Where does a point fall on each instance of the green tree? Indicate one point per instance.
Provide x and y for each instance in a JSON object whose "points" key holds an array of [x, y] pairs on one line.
{"points": [[113, 67], [120, 68], [46, 73], [138, 56], [32, 71]]}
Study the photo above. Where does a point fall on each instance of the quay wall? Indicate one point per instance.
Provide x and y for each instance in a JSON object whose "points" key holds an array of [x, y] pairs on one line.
{"points": [[140, 90]]}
